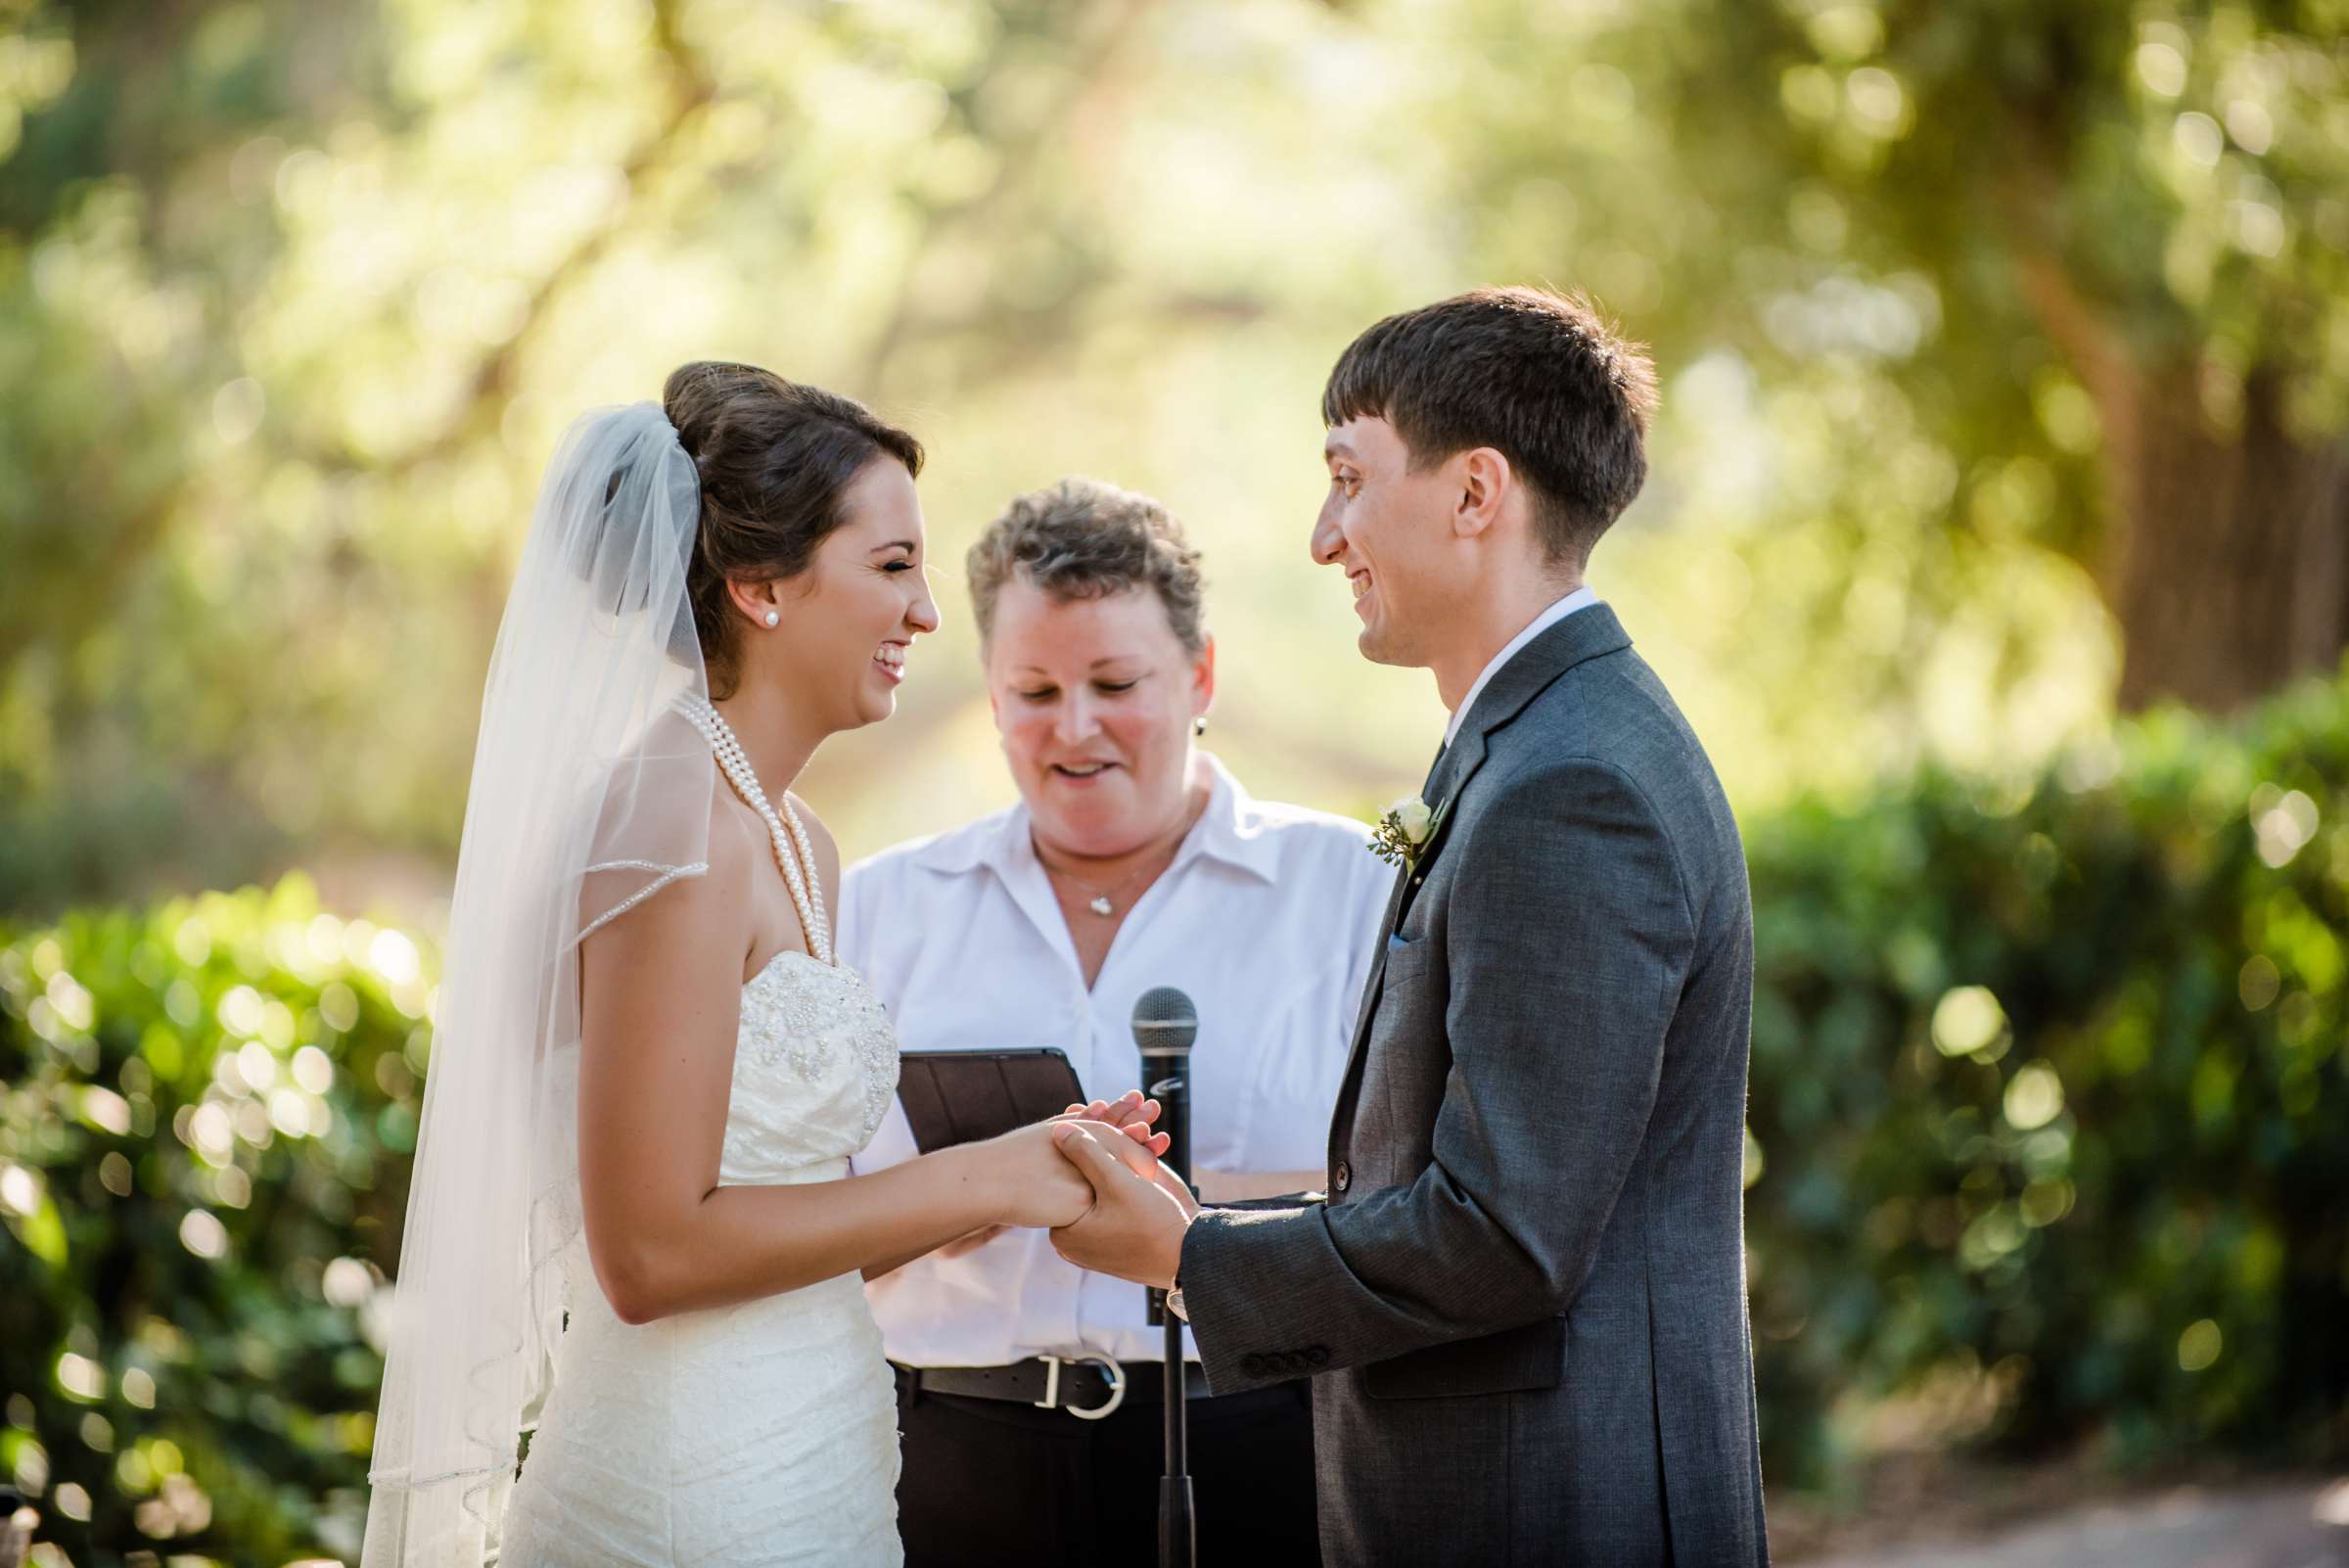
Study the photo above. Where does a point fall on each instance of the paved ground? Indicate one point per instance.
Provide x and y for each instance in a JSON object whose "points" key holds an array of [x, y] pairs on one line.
{"points": [[2259, 1525]]}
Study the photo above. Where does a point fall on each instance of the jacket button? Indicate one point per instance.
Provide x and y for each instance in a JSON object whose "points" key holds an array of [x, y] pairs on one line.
{"points": [[1253, 1364], [1317, 1357], [1342, 1176]]}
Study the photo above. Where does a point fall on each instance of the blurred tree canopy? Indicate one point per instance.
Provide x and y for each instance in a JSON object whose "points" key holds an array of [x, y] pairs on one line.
{"points": [[2004, 350], [2087, 264]]}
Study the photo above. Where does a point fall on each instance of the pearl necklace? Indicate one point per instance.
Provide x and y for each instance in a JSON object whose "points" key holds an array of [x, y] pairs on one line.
{"points": [[806, 890]]}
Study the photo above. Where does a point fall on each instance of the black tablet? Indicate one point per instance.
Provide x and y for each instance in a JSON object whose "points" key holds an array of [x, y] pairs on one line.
{"points": [[955, 1097]]}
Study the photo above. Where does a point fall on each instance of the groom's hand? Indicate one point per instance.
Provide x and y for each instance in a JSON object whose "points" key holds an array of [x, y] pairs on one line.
{"points": [[1135, 1226]]}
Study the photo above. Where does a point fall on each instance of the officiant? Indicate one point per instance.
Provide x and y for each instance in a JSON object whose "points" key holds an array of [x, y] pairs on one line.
{"points": [[1029, 1391]]}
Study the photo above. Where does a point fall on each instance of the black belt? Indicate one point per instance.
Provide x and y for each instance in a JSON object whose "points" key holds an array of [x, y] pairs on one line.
{"points": [[1088, 1387]]}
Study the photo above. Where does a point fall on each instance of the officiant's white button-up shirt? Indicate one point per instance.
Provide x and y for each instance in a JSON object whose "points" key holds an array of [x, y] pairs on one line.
{"points": [[1267, 918]]}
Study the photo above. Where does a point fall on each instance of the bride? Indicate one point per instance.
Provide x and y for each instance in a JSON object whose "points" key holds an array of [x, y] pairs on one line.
{"points": [[631, 1231]]}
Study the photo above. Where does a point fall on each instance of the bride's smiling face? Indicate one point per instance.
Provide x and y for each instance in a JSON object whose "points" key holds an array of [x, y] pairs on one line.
{"points": [[846, 623], [1095, 699]]}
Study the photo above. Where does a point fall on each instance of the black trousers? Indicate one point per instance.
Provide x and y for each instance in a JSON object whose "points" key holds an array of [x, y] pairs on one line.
{"points": [[993, 1482]]}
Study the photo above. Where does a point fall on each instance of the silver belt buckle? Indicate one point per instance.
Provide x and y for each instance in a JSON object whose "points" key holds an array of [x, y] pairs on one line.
{"points": [[1110, 1369]]}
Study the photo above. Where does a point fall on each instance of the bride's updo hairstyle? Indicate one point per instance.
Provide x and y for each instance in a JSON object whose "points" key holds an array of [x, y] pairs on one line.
{"points": [[775, 459]]}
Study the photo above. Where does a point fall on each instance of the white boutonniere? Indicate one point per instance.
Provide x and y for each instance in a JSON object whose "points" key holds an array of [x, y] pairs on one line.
{"points": [[1402, 833]]}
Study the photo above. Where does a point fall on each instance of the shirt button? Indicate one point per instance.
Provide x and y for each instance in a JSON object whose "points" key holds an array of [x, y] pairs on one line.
{"points": [[1342, 1176]]}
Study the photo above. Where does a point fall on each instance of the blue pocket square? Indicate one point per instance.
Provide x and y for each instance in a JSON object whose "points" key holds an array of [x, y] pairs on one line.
{"points": [[1396, 941]]}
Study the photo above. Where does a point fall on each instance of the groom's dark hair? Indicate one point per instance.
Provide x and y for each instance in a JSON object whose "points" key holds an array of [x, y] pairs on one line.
{"points": [[1541, 378]]}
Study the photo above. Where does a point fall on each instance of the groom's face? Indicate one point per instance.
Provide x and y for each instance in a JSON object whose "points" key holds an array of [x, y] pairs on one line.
{"points": [[1390, 529]]}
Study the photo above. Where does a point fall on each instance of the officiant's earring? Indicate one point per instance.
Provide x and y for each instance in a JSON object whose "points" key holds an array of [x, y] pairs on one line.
{"points": [[1199, 726], [774, 617]]}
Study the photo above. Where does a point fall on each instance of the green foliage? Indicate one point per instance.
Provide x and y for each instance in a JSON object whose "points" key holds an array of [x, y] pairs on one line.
{"points": [[204, 1130], [2053, 1103], [2050, 1102]]}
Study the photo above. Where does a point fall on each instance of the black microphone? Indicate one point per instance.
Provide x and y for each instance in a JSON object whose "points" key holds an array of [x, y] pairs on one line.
{"points": [[1165, 1023]]}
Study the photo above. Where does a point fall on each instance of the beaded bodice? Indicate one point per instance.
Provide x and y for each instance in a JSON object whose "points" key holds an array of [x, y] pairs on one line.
{"points": [[816, 1063]]}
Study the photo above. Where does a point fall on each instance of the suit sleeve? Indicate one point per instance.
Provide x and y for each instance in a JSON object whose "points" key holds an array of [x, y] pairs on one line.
{"points": [[1565, 942]]}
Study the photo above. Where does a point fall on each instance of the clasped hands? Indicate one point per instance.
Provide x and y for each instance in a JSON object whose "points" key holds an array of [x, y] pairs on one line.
{"points": [[1134, 1226], [1123, 1212]]}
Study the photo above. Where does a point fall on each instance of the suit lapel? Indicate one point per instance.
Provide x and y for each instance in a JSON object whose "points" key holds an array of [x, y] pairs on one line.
{"points": [[1399, 900], [1378, 961], [1393, 916], [1583, 635], [1457, 766]]}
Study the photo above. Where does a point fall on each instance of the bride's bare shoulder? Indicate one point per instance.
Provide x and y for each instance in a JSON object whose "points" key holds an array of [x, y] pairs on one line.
{"points": [[674, 926]]}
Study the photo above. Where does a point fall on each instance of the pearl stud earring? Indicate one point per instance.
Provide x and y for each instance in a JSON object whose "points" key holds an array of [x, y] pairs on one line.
{"points": [[774, 617]]}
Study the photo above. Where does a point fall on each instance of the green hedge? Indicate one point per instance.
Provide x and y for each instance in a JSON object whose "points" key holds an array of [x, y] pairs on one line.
{"points": [[2050, 1111], [203, 1139], [2052, 1102]]}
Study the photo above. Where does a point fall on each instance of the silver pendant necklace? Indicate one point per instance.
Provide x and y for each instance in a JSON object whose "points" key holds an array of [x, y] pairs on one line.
{"points": [[1101, 903]]}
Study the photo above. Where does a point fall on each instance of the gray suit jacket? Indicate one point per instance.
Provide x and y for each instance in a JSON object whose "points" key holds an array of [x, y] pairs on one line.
{"points": [[1525, 1295]]}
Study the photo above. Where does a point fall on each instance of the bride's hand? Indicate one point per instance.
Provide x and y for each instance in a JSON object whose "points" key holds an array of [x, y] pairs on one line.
{"points": [[1036, 1186], [1128, 1113]]}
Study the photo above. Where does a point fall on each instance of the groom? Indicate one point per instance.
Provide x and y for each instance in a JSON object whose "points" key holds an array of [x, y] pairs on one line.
{"points": [[1525, 1291]]}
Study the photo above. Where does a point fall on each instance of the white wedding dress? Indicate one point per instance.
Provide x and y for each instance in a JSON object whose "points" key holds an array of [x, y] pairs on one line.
{"points": [[759, 1434]]}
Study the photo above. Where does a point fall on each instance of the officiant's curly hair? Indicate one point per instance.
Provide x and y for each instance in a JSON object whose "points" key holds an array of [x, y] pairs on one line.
{"points": [[1083, 539], [1543, 379], [776, 459]]}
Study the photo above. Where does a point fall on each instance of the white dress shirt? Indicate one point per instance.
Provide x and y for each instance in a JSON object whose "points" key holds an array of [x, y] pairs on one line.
{"points": [[1266, 917], [1579, 599]]}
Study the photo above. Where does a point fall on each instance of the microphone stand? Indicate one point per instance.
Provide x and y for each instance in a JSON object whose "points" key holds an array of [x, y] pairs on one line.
{"points": [[1177, 1541]]}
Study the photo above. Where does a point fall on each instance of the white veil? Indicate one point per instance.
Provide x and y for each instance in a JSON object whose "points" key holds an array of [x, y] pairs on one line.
{"points": [[590, 795]]}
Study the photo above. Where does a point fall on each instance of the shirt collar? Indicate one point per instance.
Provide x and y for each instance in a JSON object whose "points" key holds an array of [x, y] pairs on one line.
{"points": [[1232, 829], [1581, 598]]}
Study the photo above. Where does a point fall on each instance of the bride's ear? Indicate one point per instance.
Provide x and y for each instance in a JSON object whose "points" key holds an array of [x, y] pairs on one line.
{"points": [[759, 602], [1203, 679]]}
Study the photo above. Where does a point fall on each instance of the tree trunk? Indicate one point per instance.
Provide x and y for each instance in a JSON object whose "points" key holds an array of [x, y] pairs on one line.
{"points": [[2228, 558]]}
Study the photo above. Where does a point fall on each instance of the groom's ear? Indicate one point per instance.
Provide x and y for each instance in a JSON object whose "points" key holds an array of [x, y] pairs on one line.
{"points": [[1485, 480]]}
